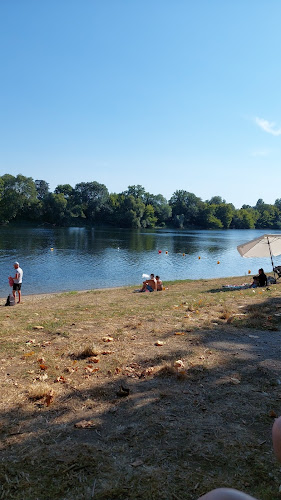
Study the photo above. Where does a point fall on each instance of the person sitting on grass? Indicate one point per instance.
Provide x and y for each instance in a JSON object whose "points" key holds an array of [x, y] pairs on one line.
{"points": [[159, 284], [149, 285], [260, 279]]}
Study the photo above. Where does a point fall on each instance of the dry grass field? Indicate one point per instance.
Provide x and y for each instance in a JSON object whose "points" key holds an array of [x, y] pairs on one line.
{"points": [[110, 394]]}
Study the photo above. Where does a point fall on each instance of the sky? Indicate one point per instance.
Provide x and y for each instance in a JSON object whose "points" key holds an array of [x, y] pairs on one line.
{"points": [[168, 94]]}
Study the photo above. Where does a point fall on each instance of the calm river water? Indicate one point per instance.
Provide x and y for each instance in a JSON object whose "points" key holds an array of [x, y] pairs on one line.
{"points": [[64, 259]]}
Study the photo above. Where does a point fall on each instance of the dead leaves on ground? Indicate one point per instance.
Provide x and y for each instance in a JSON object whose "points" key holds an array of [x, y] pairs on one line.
{"points": [[42, 391], [85, 424], [89, 369]]}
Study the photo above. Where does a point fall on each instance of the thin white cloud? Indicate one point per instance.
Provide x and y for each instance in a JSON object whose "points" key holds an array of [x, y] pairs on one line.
{"points": [[268, 126]]}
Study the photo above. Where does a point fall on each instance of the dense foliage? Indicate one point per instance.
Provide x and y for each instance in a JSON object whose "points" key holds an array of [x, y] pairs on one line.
{"points": [[22, 198]]}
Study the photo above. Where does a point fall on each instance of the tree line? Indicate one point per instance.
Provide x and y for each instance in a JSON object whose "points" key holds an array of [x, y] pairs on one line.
{"points": [[25, 199]]}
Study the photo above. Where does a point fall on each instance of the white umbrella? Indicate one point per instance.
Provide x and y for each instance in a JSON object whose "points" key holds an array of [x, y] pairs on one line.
{"points": [[266, 245]]}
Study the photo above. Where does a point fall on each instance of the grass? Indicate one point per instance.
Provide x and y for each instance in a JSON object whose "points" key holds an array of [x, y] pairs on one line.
{"points": [[201, 367]]}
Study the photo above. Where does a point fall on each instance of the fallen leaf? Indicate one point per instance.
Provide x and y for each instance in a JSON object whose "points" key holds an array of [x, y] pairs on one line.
{"points": [[42, 378], [43, 367], [147, 372], [91, 369], [230, 319], [137, 462], [179, 333], [106, 352], [107, 339], [179, 364], [69, 369], [84, 424], [93, 360], [235, 380], [272, 414], [31, 353], [49, 398], [61, 379]]}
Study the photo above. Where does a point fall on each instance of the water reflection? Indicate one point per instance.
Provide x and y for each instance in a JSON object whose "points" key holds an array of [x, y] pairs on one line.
{"points": [[85, 258]]}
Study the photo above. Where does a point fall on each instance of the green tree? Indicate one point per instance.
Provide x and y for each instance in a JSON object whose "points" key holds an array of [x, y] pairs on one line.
{"points": [[55, 209], [18, 197], [208, 217], [224, 212], [149, 219], [216, 200], [268, 217], [186, 204], [244, 218], [65, 189], [42, 188], [93, 197], [162, 209], [137, 192]]}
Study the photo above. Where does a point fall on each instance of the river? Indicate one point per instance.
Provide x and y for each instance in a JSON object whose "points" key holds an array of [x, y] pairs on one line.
{"points": [[65, 259]]}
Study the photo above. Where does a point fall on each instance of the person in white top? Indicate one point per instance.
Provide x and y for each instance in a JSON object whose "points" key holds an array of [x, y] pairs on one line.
{"points": [[17, 281]]}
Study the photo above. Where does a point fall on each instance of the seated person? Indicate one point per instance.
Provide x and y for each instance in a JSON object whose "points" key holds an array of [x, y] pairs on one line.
{"points": [[260, 280], [149, 285], [159, 284]]}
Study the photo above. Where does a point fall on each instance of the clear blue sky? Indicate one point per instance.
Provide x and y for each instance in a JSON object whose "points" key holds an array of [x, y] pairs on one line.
{"points": [[169, 94]]}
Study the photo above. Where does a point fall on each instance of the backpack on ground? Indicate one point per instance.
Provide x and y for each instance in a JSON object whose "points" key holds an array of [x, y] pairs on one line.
{"points": [[10, 300]]}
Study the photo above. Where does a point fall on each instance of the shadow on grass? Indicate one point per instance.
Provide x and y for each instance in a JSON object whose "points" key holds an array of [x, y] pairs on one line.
{"points": [[172, 437]]}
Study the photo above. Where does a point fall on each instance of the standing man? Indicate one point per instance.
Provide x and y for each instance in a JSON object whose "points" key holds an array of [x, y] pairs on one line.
{"points": [[17, 281]]}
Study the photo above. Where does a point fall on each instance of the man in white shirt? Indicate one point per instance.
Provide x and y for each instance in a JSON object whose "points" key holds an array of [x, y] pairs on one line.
{"points": [[17, 281]]}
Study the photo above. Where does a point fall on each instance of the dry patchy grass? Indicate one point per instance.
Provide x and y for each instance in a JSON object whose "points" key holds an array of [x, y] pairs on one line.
{"points": [[174, 392]]}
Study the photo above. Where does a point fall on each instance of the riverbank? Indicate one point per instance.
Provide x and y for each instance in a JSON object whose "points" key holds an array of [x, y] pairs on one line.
{"points": [[111, 394]]}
